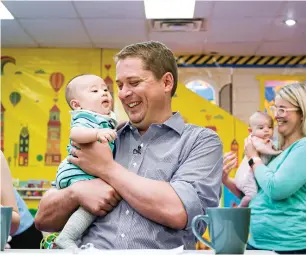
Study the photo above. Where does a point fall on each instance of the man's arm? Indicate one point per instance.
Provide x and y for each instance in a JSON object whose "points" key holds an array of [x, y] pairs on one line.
{"points": [[56, 206], [195, 185]]}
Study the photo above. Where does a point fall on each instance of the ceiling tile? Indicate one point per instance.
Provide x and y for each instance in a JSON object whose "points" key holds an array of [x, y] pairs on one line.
{"points": [[111, 9], [231, 30], [203, 9], [179, 48], [240, 9], [56, 31], [294, 9], [236, 49], [102, 30], [67, 45], [12, 34], [279, 31], [189, 37], [282, 48], [41, 9]]}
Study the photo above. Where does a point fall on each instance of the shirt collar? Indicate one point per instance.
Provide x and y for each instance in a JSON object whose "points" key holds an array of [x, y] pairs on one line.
{"points": [[175, 122]]}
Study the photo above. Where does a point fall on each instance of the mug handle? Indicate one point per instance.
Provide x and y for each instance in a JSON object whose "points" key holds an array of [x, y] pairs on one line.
{"points": [[194, 224]]}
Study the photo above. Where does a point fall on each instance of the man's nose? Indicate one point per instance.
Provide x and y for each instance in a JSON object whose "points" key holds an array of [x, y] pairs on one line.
{"points": [[124, 92]]}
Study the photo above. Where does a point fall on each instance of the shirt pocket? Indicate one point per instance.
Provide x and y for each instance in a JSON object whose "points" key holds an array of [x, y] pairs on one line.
{"points": [[161, 171]]}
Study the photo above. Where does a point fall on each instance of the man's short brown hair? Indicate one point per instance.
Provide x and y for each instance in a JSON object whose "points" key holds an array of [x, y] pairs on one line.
{"points": [[156, 57]]}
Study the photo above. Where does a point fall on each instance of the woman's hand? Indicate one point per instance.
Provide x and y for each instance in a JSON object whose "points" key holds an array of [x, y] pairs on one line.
{"points": [[229, 163], [249, 148]]}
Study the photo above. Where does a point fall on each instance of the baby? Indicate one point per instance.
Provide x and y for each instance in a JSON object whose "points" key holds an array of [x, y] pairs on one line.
{"points": [[261, 130], [92, 120]]}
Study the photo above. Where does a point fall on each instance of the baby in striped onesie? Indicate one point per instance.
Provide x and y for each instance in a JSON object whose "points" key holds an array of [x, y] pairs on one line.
{"points": [[92, 120]]}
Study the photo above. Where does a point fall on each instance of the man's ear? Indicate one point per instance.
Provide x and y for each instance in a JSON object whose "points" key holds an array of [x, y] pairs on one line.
{"points": [[75, 104], [168, 82], [250, 130]]}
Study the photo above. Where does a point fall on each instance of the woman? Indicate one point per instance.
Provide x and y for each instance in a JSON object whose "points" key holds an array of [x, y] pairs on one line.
{"points": [[279, 209], [27, 236], [7, 193]]}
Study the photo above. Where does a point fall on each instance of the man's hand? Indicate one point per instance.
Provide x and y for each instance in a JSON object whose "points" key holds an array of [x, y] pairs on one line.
{"points": [[96, 196], [106, 135], [93, 158]]}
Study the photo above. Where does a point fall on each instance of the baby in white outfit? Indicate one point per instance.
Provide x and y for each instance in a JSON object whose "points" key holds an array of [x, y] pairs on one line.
{"points": [[261, 130]]}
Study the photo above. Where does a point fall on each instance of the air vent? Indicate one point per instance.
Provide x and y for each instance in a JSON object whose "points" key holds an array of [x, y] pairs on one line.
{"points": [[177, 25]]}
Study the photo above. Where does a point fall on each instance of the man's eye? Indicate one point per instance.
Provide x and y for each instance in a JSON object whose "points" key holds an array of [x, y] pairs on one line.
{"points": [[134, 83], [95, 91]]}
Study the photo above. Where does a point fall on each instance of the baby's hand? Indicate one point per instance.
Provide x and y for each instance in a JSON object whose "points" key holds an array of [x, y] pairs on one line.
{"points": [[106, 135]]}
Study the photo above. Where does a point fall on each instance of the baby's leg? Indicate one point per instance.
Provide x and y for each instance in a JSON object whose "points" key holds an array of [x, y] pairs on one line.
{"points": [[245, 201], [78, 222]]}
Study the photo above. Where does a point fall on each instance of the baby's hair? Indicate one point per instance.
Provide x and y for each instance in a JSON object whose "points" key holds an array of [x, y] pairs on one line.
{"points": [[70, 90], [263, 114]]}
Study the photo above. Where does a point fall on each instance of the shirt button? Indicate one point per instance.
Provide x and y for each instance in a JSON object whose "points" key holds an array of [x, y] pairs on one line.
{"points": [[122, 235], [134, 164], [127, 212]]}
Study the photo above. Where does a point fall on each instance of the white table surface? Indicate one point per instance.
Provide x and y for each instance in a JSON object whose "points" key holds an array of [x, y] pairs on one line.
{"points": [[127, 252]]}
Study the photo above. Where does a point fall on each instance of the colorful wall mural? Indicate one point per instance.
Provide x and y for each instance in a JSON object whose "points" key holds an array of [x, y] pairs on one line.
{"points": [[35, 116]]}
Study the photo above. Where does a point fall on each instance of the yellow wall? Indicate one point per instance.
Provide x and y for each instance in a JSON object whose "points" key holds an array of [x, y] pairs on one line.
{"points": [[37, 98], [29, 76]]}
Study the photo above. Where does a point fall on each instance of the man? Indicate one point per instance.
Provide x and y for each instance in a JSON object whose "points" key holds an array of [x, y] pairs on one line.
{"points": [[166, 172]]}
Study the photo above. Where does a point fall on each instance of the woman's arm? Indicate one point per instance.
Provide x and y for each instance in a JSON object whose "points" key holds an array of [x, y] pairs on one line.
{"points": [[7, 193], [289, 177]]}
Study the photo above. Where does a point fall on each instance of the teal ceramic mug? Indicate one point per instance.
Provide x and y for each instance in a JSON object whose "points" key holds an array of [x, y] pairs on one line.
{"points": [[228, 229], [6, 219]]}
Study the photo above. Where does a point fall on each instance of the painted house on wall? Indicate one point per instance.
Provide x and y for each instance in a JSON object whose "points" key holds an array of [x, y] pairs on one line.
{"points": [[53, 154], [2, 127], [24, 142]]}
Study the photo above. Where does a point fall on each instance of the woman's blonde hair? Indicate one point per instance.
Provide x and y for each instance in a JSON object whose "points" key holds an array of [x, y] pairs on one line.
{"points": [[295, 94]]}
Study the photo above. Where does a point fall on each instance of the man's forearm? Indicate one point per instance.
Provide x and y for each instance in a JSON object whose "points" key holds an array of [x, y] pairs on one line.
{"points": [[155, 200], [54, 210]]}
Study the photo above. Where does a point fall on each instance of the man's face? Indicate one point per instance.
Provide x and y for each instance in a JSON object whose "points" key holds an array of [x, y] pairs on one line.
{"points": [[142, 96]]}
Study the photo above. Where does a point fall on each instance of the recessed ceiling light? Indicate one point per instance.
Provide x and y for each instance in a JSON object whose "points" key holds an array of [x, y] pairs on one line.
{"points": [[5, 13], [290, 22], [169, 9]]}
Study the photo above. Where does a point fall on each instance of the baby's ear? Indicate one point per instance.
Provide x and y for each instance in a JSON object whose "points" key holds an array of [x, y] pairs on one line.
{"points": [[250, 130], [75, 104]]}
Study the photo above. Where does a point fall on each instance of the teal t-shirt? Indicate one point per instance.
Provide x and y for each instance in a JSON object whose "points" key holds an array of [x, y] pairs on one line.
{"points": [[278, 218]]}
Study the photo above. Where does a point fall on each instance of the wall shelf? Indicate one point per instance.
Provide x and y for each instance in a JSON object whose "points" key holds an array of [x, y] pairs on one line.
{"points": [[31, 197], [31, 189]]}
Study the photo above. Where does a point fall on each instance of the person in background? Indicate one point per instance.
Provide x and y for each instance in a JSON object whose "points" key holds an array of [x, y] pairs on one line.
{"points": [[7, 193], [282, 182], [27, 236]]}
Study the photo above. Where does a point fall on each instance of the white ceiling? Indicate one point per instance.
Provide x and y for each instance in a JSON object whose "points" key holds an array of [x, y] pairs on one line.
{"points": [[233, 28]]}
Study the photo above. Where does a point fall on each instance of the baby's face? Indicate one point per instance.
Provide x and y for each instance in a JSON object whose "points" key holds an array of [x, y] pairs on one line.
{"points": [[93, 95], [262, 127]]}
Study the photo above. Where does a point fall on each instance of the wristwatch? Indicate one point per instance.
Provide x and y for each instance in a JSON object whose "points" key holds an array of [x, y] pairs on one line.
{"points": [[253, 160]]}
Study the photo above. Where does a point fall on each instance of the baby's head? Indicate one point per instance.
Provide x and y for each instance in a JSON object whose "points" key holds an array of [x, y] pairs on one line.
{"points": [[89, 92], [261, 125]]}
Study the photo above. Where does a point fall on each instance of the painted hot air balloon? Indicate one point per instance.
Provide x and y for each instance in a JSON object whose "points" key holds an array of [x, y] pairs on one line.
{"points": [[5, 60], [57, 81], [15, 98]]}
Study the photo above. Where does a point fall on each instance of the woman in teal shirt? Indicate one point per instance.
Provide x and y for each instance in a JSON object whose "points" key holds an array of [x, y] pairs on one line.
{"points": [[278, 218]]}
